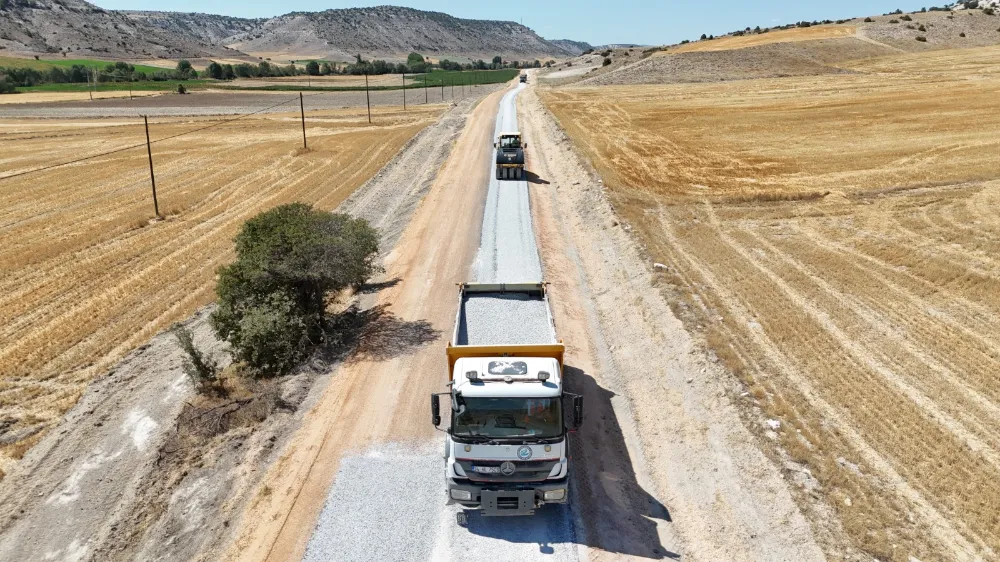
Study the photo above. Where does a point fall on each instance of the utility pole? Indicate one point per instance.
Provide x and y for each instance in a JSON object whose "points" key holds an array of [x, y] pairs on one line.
{"points": [[302, 108], [404, 91], [90, 89], [425, 87], [152, 177], [368, 98]]}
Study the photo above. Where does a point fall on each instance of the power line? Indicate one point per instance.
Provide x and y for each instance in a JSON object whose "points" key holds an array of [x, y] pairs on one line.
{"points": [[123, 149]]}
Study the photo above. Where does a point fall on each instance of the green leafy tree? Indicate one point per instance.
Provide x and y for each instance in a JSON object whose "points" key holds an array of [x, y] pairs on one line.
{"points": [[289, 262], [312, 68], [214, 70], [185, 70], [326, 69], [415, 58], [228, 72]]}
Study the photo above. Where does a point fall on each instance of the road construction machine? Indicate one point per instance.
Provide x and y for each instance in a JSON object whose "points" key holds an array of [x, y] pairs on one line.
{"points": [[510, 156], [506, 443]]}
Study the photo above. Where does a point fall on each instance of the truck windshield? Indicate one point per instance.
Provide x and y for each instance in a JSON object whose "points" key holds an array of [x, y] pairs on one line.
{"points": [[500, 418], [510, 142]]}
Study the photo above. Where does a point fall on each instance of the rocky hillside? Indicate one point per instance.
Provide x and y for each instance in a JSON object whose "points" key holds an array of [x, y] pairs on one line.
{"points": [[383, 32], [575, 47], [81, 29], [208, 28]]}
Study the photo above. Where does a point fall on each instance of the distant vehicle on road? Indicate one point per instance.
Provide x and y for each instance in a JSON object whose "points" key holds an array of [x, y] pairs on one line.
{"points": [[524, 78]]}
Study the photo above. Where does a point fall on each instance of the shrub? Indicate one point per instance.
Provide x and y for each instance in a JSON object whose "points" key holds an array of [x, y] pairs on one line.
{"points": [[962, 34], [214, 70], [906, 18], [893, 21], [607, 61], [289, 262], [200, 368], [988, 11], [921, 38], [181, 89], [921, 28], [869, 20], [7, 87]]}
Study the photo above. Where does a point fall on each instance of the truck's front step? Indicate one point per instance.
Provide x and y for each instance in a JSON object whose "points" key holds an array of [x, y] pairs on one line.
{"points": [[514, 502]]}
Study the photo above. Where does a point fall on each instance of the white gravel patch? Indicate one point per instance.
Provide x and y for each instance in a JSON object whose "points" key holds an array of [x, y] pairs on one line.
{"points": [[504, 319], [546, 535], [507, 251], [385, 505]]}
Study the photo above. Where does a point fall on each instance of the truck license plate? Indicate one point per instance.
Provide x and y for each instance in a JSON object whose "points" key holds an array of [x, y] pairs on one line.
{"points": [[486, 469]]}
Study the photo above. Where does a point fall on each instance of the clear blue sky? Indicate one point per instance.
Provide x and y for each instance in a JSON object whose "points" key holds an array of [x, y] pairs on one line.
{"points": [[599, 22]]}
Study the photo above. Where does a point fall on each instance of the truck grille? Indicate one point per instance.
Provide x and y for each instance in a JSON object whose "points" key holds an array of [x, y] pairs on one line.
{"points": [[524, 471]]}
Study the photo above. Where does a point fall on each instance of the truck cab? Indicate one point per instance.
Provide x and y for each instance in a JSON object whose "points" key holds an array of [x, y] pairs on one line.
{"points": [[510, 416]]}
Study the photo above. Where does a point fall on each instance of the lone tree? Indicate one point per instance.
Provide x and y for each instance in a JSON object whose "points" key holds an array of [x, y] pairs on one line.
{"points": [[215, 70], [289, 262], [185, 71], [312, 68]]}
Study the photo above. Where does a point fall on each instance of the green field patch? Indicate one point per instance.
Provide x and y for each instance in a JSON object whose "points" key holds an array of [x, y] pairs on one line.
{"points": [[45, 64]]}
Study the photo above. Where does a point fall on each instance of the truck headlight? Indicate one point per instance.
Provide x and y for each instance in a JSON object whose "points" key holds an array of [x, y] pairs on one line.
{"points": [[464, 495], [554, 495]]}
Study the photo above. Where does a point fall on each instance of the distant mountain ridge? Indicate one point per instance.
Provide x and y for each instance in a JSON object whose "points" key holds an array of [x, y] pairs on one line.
{"points": [[382, 31], [77, 27]]}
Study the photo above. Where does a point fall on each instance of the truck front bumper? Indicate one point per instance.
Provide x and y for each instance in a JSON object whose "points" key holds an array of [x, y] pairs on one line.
{"points": [[507, 499]]}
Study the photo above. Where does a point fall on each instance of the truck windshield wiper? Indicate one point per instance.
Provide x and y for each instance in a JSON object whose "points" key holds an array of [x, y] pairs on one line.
{"points": [[476, 437]]}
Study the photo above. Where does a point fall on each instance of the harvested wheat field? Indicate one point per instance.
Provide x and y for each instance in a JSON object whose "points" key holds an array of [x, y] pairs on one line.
{"points": [[835, 240], [86, 276], [778, 36]]}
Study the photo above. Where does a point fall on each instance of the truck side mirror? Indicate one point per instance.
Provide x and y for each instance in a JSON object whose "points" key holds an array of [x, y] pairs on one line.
{"points": [[435, 410], [577, 411]]}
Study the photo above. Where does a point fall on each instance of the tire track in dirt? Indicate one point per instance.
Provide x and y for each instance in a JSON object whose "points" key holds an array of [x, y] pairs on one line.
{"points": [[962, 412], [713, 480], [945, 532]]}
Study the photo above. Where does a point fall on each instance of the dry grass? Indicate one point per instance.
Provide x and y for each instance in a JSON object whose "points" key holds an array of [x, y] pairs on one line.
{"points": [[780, 36], [845, 231], [86, 276]]}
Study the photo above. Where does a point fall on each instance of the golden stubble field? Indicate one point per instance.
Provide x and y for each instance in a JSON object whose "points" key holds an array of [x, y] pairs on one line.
{"points": [[835, 239], [86, 276]]}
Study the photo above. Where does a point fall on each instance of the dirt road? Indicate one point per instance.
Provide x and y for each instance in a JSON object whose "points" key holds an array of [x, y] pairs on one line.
{"points": [[668, 468], [363, 480]]}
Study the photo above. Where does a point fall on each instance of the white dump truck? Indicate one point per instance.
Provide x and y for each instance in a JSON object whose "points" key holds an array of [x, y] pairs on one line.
{"points": [[507, 440]]}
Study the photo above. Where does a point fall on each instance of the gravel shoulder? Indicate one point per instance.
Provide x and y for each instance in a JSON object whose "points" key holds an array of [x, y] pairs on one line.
{"points": [[722, 499], [373, 402], [96, 487]]}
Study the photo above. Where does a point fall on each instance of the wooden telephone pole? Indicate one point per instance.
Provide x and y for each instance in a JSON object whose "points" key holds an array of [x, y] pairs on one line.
{"points": [[152, 177]]}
